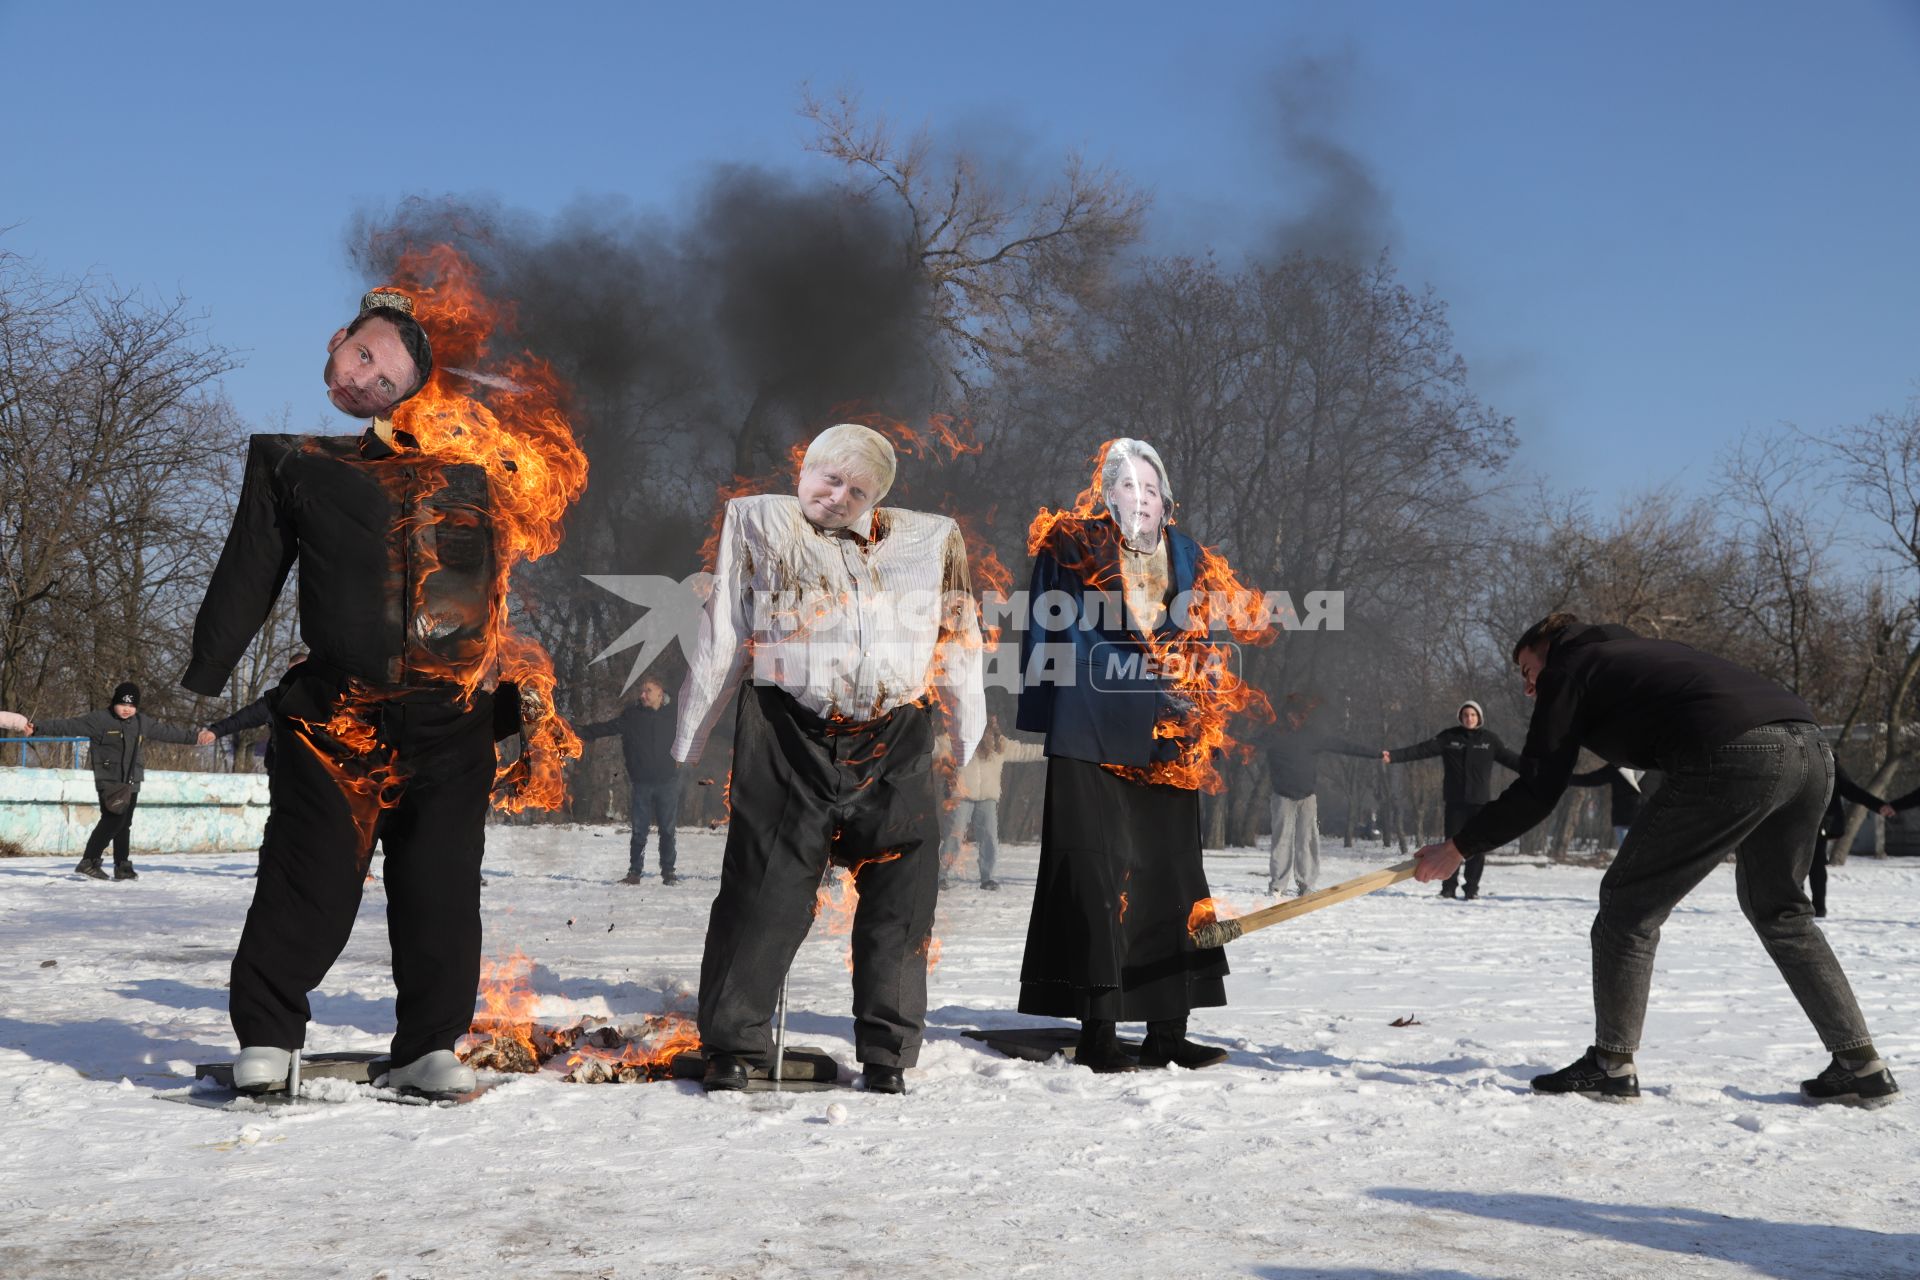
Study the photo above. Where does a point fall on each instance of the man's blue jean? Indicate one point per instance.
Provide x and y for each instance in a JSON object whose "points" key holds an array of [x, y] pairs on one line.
{"points": [[1760, 798], [657, 804]]}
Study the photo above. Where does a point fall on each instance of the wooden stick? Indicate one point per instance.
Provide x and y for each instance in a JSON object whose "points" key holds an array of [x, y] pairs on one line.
{"points": [[1220, 932]]}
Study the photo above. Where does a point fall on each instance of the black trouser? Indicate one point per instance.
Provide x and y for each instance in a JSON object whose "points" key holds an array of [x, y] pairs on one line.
{"points": [[115, 829], [807, 791], [1759, 797], [422, 792], [656, 803], [1456, 817]]}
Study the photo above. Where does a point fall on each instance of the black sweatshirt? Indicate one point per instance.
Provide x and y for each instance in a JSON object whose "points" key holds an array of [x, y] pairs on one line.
{"points": [[1469, 756], [1623, 797], [1293, 764], [1631, 701], [646, 739], [396, 553]]}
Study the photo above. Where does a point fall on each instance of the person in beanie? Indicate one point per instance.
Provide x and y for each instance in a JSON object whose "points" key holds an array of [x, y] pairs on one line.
{"points": [[1293, 752], [1747, 773], [116, 736], [1468, 751], [645, 728]]}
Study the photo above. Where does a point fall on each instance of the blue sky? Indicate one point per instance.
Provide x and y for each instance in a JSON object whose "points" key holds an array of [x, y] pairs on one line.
{"points": [[1656, 224]]}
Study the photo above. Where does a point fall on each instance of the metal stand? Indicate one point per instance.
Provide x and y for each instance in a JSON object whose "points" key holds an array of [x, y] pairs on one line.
{"points": [[780, 1035], [293, 1074]]}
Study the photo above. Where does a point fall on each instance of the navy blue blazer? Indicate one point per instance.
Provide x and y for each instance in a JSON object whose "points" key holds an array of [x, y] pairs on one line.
{"points": [[1084, 686]]}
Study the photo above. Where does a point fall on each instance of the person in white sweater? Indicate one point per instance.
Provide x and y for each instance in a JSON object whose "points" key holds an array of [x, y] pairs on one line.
{"points": [[976, 800]]}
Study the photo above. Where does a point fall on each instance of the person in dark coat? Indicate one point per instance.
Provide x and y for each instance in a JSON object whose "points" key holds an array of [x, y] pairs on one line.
{"points": [[1746, 772], [1623, 796], [645, 728], [1833, 825], [1468, 751], [116, 736], [1292, 750], [1120, 864]]}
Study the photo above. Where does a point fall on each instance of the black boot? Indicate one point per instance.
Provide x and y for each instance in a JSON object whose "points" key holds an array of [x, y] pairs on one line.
{"points": [[1167, 1045], [90, 867], [1099, 1049], [884, 1079], [125, 871], [725, 1073]]}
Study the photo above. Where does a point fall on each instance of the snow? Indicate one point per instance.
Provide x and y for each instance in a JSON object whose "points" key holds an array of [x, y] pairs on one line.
{"points": [[1332, 1144]]}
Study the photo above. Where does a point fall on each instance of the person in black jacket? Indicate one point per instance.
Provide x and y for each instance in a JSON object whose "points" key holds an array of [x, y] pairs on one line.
{"points": [[1623, 795], [1747, 773], [645, 728], [117, 734], [1833, 825], [1468, 752], [255, 715], [1292, 751], [386, 732]]}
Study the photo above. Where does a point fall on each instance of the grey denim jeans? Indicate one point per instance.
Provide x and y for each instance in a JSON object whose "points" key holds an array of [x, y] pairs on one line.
{"points": [[1760, 798]]}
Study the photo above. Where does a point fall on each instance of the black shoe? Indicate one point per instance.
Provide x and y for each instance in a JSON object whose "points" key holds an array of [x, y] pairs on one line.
{"points": [[1819, 913], [632, 877], [884, 1079], [125, 871], [1470, 894], [90, 868], [1099, 1050], [1447, 891], [667, 877], [725, 1073], [1851, 1088], [1167, 1045], [991, 886], [1590, 1078]]}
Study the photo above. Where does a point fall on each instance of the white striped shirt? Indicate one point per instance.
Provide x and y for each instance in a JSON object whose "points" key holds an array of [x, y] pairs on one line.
{"points": [[852, 623]]}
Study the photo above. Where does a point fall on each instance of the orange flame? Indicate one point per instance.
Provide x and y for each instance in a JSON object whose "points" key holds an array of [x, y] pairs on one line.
{"points": [[535, 471], [1204, 913], [506, 992]]}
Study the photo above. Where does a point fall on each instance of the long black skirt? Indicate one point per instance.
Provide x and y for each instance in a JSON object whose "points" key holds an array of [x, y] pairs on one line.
{"points": [[1119, 872]]}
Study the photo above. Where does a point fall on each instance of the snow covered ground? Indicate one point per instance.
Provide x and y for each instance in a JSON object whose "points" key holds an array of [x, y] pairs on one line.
{"points": [[1332, 1145]]}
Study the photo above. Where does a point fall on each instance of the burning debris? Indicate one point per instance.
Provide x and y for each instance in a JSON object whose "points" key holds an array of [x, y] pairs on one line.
{"points": [[505, 1036]]}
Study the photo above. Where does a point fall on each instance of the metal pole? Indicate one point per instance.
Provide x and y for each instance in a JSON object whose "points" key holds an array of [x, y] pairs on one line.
{"points": [[293, 1074], [780, 1035]]}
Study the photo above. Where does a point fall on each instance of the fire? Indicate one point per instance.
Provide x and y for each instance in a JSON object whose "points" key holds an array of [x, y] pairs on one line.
{"points": [[535, 471], [1196, 670], [505, 1036], [364, 770], [1204, 913]]}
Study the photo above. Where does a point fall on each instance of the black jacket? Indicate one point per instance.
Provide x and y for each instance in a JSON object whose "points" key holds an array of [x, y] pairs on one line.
{"points": [[397, 559], [1629, 700], [1293, 758], [1469, 756], [1623, 798], [116, 747], [255, 714], [646, 739], [1834, 821]]}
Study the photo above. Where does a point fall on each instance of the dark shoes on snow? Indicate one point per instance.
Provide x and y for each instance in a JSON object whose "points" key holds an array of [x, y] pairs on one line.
{"points": [[1447, 891], [632, 877], [1852, 1084], [991, 886], [1099, 1050], [90, 868], [725, 1073], [1167, 1045], [125, 871], [1591, 1077], [667, 877], [884, 1079]]}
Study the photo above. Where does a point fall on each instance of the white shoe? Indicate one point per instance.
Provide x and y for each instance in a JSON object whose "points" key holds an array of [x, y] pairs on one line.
{"points": [[260, 1068], [436, 1072]]}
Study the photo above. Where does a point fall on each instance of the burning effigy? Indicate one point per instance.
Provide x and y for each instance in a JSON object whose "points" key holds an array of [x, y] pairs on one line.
{"points": [[1127, 663], [406, 536]]}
